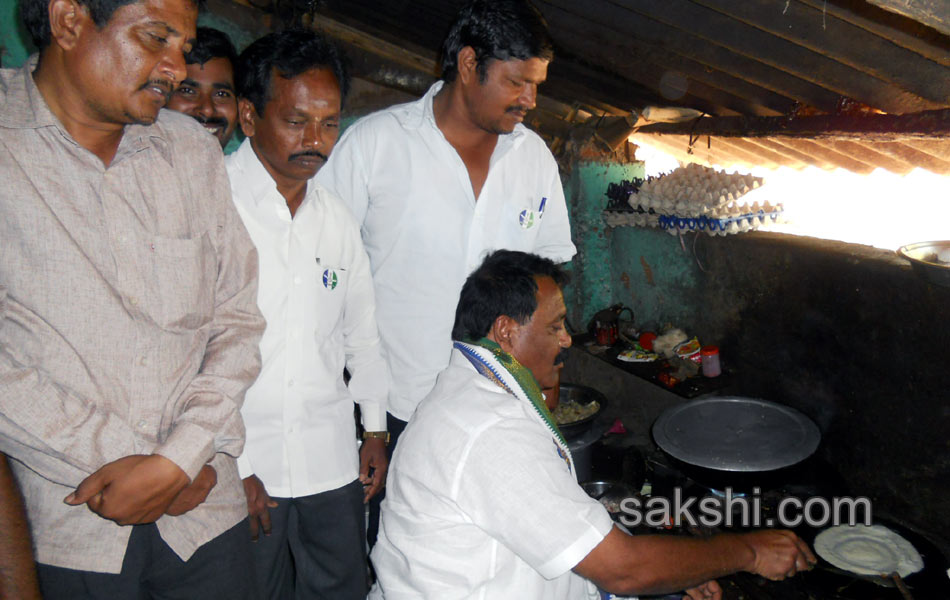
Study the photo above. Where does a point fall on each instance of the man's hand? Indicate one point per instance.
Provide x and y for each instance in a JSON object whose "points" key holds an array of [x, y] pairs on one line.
{"points": [[778, 554], [258, 501], [706, 591], [373, 457], [132, 490], [195, 493]]}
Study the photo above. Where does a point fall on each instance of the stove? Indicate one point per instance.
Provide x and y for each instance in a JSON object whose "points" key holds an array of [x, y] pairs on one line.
{"points": [[667, 478]]}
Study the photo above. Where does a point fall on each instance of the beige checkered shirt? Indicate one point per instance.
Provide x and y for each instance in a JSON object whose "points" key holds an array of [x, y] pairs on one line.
{"points": [[128, 320]]}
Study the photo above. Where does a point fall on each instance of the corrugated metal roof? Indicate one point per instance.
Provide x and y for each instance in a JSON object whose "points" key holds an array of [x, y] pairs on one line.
{"points": [[788, 59]]}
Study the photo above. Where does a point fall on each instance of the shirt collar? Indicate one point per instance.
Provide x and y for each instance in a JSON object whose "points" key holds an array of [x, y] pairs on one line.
{"points": [[255, 179], [421, 114], [25, 108]]}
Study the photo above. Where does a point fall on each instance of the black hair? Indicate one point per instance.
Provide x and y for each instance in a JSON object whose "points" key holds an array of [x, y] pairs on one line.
{"points": [[290, 52], [496, 30], [35, 15], [504, 284], [210, 44]]}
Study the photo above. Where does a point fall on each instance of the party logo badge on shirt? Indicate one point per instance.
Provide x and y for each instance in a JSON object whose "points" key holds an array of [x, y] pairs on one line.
{"points": [[330, 279], [526, 218]]}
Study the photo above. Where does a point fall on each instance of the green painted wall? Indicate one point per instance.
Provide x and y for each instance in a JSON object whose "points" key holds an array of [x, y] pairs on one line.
{"points": [[645, 269], [656, 276], [592, 282], [15, 46], [14, 42]]}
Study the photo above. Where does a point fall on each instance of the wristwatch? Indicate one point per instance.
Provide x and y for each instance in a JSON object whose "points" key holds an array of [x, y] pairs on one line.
{"points": [[379, 435]]}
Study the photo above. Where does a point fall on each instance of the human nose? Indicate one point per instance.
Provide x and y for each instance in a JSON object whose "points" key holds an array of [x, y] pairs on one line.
{"points": [[206, 107], [564, 339], [173, 66], [313, 135], [529, 95]]}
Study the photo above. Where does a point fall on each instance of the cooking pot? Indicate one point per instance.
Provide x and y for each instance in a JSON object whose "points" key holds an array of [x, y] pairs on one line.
{"points": [[582, 395]]}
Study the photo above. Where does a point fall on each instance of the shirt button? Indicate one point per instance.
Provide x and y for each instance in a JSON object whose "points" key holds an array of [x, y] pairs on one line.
{"points": [[297, 280], [142, 424], [143, 361], [133, 301], [290, 383], [122, 239]]}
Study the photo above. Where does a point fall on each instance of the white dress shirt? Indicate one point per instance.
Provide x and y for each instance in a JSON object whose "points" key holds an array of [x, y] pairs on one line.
{"points": [[480, 504], [425, 232], [316, 293]]}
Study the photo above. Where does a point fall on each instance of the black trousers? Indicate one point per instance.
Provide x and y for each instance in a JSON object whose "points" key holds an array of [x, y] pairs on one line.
{"points": [[315, 549], [395, 427], [220, 569]]}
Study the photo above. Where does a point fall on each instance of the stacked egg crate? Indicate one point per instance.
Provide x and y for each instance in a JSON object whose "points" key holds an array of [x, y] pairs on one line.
{"points": [[691, 198]]}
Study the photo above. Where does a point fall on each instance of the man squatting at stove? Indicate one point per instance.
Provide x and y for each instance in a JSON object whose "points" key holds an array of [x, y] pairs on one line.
{"points": [[129, 328], [438, 182], [207, 91], [483, 500], [305, 483]]}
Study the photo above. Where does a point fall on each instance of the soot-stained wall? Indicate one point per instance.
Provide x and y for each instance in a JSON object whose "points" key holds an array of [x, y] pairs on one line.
{"points": [[847, 334]]}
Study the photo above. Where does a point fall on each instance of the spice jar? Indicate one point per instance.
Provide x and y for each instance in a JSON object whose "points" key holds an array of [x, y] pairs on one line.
{"points": [[710, 360]]}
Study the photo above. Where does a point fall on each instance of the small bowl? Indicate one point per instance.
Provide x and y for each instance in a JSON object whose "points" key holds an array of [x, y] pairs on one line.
{"points": [[923, 258]]}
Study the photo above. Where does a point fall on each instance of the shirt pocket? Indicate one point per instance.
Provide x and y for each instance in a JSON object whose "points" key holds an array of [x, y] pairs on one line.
{"points": [[182, 287], [521, 222], [331, 298]]}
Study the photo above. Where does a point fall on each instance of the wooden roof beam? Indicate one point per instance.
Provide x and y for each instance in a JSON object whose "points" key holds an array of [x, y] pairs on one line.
{"points": [[840, 41], [801, 157], [926, 124], [866, 153], [932, 13], [828, 154], [786, 56], [911, 155]]}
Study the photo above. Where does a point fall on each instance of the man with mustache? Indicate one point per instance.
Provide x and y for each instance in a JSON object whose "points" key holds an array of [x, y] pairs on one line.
{"points": [[483, 498], [436, 183], [305, 482], [207, 91], [128, 323]]}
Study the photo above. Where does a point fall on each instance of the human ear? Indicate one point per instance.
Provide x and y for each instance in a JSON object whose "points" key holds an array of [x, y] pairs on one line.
{"points": [[503, 332], [247, 115], [66, 20], [467, 64]]}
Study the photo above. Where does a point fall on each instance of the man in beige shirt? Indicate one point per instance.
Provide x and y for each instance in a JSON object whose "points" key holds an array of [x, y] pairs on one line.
{"points": [[129, 329]]}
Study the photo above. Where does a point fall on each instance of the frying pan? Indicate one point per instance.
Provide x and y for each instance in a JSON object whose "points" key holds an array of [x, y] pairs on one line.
{"points": [[735, 434]]}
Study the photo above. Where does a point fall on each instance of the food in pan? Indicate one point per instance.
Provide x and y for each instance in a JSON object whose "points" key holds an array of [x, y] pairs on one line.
{"points": [[868, 550], [570, 412]]}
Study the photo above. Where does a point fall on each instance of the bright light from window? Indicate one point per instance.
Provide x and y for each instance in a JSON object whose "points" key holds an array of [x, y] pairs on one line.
{"points": [[881, 209]]}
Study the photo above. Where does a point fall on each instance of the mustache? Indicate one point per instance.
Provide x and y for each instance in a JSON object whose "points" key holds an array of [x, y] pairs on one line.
{"points": [[167, 86], [517, 109], [561, 356], [220, 121], [309, 154]]}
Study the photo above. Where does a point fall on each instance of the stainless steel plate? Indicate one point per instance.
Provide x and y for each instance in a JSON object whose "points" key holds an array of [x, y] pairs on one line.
{"points": [[924, 259], [736, 434]]}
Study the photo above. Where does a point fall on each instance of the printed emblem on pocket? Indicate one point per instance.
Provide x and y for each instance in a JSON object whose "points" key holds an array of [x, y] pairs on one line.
{"points": [[526, 218], [330, 279]]}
